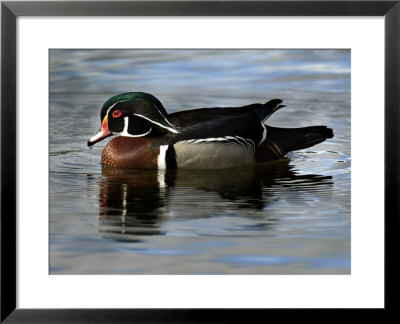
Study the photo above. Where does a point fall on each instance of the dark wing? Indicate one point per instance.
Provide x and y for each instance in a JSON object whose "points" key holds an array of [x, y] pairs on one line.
{"points": [[245, 129], [189, 118]]}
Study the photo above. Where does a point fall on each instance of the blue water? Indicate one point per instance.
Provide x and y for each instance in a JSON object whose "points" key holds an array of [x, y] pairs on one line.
{"points": [[291, 216]]}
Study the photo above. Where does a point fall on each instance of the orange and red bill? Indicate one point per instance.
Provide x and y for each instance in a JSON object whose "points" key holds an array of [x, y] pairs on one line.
{"points": [[103, 133]]}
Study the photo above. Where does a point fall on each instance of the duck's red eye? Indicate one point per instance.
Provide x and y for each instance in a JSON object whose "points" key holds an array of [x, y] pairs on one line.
{"points": [[116, 113]]}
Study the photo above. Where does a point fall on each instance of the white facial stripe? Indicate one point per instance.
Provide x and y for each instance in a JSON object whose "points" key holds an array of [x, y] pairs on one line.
{"points": [[152, 121], [161, 157], [108, 110], [162, 115], [125, 130]]}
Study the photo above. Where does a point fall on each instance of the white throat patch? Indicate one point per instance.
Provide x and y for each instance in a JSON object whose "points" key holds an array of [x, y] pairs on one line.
{"points": [[125, 130]]}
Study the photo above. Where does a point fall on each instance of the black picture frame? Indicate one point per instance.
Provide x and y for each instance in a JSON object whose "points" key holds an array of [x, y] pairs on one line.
{"points": [[10, 10]]}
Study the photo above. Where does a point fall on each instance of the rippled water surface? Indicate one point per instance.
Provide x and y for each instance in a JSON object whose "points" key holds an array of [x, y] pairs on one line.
{"points": [[290, 216]]}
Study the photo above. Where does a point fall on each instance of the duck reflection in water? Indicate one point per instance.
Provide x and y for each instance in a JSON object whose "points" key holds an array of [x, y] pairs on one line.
{"points": [[136, 203]]}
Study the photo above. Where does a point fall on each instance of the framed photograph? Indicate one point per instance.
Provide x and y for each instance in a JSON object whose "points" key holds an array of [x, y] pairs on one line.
{"points": [[194, 158]]}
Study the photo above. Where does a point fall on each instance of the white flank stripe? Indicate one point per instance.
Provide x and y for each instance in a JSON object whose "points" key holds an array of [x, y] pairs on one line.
{"points": [[253, 147], [186, 141], [233, 140], [244, 141], [161, 157], [211, 139]]}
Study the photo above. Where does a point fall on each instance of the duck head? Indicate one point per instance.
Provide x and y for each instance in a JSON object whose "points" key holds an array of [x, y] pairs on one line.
{"points": [[133, 114]]}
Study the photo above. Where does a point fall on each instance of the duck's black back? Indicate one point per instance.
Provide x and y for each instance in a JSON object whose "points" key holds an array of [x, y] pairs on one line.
{"points": [[188, 118]]}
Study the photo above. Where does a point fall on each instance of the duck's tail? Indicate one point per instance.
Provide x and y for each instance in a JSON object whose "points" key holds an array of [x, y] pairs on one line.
{"points": [[280, 141]]}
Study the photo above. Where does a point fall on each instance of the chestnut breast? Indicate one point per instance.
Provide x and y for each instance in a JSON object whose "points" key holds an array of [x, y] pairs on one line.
{"points": [[131, 152]]}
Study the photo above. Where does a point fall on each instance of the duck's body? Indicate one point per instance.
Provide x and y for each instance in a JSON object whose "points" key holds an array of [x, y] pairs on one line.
{"points": [[204, 138]]}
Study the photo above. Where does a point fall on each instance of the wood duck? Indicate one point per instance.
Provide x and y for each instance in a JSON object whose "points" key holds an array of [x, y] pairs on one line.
{"points": [[204, 138]]}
